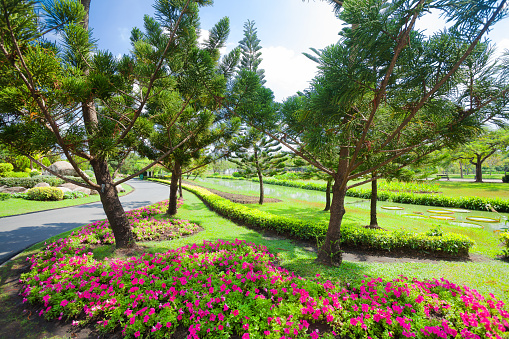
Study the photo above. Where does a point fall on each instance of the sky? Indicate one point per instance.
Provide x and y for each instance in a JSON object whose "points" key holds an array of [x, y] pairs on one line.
{"points": [[286, 28]]}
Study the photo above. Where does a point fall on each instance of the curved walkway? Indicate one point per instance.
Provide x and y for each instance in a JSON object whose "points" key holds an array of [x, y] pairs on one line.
{"points": [[21, 231]]}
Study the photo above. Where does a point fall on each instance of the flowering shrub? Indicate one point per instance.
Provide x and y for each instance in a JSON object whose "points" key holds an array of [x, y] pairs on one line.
{"points": [[449, 244], [220, 289]]}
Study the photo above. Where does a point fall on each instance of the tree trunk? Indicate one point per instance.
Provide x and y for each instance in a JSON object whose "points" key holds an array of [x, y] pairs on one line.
{"points": [[260, 178], [175, 175], [180, 186], [478, 170], [373, 223], [117, 218], [461, 170], [327, 195], [329, 252]]}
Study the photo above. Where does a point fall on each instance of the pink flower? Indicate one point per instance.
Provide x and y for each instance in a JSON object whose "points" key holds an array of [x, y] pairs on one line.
{"points": [[314, 335], [245, 336], [64, 303], [266, 332], [235, 313], [137, 334]]}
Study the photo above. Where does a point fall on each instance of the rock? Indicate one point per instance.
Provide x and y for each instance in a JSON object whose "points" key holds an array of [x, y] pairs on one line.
{"points": [[82, 189], [16, 189], [64, 189], [93, 192], [42, 184], [62, 168], [70, 186]]}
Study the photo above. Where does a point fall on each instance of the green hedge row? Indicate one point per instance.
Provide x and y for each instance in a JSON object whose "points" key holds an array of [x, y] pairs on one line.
{"points": [[32, 181], [351, 236], [439, 200]]}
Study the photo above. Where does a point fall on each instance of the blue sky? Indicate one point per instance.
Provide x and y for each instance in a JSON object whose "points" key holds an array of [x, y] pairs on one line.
{"points": [[286, 28]]}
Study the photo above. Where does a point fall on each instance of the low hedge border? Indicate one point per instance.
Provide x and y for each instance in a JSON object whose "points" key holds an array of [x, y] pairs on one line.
{"points": [[438, 200], [449, 244]]}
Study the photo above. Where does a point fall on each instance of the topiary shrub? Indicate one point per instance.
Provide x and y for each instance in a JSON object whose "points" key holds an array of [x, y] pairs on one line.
{"points": [[45, 194], [5, 168], [505, 178], [4, 196]]}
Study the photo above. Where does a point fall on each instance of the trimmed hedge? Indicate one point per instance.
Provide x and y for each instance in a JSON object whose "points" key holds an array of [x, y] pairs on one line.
{"points": [[351, 236], [32, 181], [438, 200], [45, 194]]}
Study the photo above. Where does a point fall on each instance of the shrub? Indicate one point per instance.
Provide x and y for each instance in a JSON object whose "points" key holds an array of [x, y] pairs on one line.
{"points": [[31, 182], [351, 236], [34, 173], [45, 194], [5, 168], [17, 175], [75, 195], [237, 175], [4, 196], [505, 178]]}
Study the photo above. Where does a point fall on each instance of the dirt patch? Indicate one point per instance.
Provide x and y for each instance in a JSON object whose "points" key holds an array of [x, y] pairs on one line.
{"points": [[237, 198]]}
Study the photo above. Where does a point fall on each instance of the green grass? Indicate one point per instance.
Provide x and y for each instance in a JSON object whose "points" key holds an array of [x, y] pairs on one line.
{"points": [[486, 189], [21, 206]]}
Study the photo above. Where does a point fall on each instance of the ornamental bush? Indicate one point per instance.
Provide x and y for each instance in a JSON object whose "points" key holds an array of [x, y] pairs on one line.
{"points": [[5, 168], [505, 178], [5, 196], [45, 194], [448, 244]]}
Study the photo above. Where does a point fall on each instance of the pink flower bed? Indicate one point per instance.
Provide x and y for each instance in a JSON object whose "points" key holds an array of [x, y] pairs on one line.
{"points": [[219, 289]]}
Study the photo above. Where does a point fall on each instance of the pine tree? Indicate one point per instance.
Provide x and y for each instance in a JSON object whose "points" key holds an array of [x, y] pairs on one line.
{"points": [[263, 158], [250, 51]]}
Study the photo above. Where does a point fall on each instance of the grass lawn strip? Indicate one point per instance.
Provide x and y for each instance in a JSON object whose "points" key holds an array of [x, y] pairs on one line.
{"points": [[16, 206]]}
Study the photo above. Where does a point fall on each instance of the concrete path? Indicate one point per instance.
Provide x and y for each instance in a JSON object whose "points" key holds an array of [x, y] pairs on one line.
{"points": [[20, 232]]}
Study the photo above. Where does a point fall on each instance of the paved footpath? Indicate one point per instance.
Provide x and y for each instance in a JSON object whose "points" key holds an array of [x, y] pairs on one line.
{"points": [[20, 232]]}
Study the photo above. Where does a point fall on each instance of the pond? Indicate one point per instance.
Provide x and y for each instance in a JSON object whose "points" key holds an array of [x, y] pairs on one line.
{"points": [[460, 217]]}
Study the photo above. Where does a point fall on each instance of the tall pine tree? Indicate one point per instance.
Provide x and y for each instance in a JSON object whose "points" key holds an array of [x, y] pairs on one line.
{"points": [[250, 51]]}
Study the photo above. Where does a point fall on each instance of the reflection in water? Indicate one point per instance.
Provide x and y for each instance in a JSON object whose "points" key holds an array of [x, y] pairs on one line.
{"points": [[251, 188]]}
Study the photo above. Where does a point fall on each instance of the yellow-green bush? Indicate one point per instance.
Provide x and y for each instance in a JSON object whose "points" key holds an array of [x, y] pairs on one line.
{"points": [[45, 194]]}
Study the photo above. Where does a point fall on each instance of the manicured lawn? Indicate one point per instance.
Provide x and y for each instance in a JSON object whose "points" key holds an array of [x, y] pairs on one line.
{"points": [[21, 206], [463, 189]]}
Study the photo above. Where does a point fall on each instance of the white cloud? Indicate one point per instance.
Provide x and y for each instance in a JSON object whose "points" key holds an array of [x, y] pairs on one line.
{"points": [[286, 71]]}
